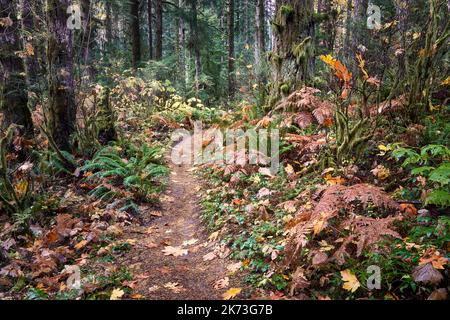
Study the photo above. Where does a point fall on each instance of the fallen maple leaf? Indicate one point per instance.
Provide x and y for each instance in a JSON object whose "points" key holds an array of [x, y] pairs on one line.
{"points": [[175, 251], [381, 172], [156, 213], [331, 181], [351, 283], [289, 169], [209, 256], [117, 294], [234, 267], [408, 209], [425, 273], [153, 288], [150, 245], [174, 287], [190, 242], [231, 293], [131, 242], [222, 283], [437, 261], [214, 236], [266, 172], [80, 245]]}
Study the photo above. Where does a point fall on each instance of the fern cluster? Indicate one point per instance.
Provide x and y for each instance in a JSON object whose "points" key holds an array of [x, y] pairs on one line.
{"points": [[431, 162], [139, 170]]}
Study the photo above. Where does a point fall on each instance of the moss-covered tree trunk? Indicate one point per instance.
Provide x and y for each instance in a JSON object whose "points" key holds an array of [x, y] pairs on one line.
{"points": [[292, 57], [61, 104], [13, 89]]}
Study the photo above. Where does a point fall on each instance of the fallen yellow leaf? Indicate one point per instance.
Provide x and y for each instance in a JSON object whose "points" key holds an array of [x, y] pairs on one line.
{"points": [[117, 294], [231, 293], [351, 282]]}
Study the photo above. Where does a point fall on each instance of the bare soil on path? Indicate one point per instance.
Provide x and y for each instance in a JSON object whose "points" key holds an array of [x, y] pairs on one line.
{"points": [[167, 277]]}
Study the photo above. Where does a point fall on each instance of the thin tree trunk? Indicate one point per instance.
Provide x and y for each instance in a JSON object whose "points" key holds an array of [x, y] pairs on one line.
{"points": [[135, 34], [195, 45], [246, 28], [13, 90], [159, 30], [62, 108], [260, 41], [27, 26], [330, 31], [179, 30], [108, 24], [87, 38], [231, 73], [348, 27], [150, 27]]}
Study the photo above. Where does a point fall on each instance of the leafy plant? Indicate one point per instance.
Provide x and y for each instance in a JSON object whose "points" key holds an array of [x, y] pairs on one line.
{"points": [[140, 171], [16, 183], [432, 163]]}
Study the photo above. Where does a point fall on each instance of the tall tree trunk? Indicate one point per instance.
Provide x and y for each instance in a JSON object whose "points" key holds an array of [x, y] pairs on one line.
{"points": [[179, 43], [88, 41], [62, 108], [231, 73], [159, 30], [348, 28], [360, 31], [135, 34], [292, 56], [108, 24], [402, 12], [246, 27], [330, 28], [260, 39], [150, 27], [27, 26], [195, 44], [13, 89]]}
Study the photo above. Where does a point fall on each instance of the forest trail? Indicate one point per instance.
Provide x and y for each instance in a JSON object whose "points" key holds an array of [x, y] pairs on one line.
{"points": [[167, 277]]}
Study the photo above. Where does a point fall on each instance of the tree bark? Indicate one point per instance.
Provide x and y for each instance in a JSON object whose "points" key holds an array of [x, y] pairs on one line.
{"points": [[62, 108], [13, 89], [195, 45], [260, 39], [27, 28], [231, 73], [180, 43], [292, 57], [159, 30], [150, 27], [330, 30], [135, 34], [108, 24]]}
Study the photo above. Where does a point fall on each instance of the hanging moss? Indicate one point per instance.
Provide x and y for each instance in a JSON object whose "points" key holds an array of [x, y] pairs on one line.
{"points": [[275, 59], [276, 28], [284, 14], [300, 50]]}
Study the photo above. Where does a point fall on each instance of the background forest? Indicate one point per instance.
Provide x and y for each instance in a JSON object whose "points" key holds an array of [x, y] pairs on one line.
{"points": [[90, 92]]}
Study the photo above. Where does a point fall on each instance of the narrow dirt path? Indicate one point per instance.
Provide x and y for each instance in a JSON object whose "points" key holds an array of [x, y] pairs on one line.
{"points": [[191, 276]]}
